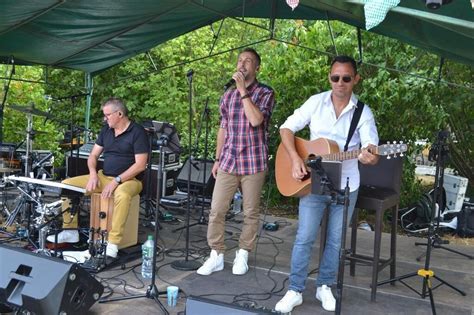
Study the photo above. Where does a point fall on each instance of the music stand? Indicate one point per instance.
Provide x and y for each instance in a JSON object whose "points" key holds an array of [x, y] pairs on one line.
{"points": [[164, 128]]}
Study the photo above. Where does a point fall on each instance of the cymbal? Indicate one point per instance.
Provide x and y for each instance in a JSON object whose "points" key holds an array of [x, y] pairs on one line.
{"points": [[9, 170], [30, 110], [32, 132]]}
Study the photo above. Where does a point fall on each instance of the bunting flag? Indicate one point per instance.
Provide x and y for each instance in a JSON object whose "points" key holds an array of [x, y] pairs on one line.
{"points": [[293, 4], [376, 10]]}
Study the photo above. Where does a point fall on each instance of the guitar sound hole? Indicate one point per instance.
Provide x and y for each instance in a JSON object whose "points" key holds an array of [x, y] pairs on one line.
{"points": [[307, 176]]}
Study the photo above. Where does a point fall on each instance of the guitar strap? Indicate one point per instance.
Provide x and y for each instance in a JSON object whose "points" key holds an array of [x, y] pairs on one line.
{"points": [[354, 122]]}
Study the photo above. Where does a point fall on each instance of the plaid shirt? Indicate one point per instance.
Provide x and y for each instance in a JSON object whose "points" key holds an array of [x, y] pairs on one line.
{"points": [[245, 149]]}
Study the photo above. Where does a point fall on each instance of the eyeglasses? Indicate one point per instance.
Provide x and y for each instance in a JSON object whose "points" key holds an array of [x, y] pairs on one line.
{"points": [[109, 114], [336, 78]]}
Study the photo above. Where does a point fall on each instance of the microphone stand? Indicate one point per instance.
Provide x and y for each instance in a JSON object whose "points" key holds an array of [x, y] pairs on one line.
{"points": [[426, 273], [73, 129], [204, 117], [6, 88], [73, 104], [186, 264], [342, 250], [439, 153], [152, 292], [148, 194], [327, 188]]}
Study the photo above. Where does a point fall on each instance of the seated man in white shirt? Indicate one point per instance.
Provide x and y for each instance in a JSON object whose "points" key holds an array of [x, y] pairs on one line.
{"points": [[329, 115]]}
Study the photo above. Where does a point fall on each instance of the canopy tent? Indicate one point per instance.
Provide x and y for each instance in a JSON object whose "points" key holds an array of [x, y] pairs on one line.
{"points": [[94, 35]]}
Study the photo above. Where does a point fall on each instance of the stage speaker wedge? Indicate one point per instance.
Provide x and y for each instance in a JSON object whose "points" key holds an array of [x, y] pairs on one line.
{"points": [[201, 183], [45, 285]]}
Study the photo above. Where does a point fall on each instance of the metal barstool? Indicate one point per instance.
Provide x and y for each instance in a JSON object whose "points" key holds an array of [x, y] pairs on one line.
{"points": [[379, 191]]}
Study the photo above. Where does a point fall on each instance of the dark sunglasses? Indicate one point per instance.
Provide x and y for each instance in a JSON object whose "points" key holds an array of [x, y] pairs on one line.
{"points": [[336, 78]]}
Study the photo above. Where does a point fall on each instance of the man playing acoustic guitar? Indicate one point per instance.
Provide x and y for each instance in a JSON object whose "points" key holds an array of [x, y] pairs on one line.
{"points": [[329, 115]]}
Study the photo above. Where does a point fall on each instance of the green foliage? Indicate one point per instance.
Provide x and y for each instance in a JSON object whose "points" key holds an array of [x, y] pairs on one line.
{"points": [[295, 63]]}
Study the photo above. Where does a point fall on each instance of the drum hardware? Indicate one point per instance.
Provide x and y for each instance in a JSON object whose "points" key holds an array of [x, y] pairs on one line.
{"points": [[30, 132], [97, 250], [4, 197], [48, 213], [39, 166], [25, 202], [29, 143], [33, 133], [31, 110], [40, 215], [22, 201], [40, 162]]}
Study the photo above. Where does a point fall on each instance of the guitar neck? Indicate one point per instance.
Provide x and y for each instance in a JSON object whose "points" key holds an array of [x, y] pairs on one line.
{"points": [[348, 155]]}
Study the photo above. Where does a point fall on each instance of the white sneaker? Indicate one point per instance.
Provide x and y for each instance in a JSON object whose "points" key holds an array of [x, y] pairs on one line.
{"points": [[214, 263], [289, 301], [111, 250], [324, 294], [66, 236], [240, 266]]}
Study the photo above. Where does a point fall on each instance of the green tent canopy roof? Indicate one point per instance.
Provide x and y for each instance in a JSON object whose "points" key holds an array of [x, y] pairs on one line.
{"points": [[94, 35]]}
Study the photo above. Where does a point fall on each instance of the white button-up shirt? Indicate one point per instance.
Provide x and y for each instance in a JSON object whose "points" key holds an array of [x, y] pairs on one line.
{"points": [[318, 112]]}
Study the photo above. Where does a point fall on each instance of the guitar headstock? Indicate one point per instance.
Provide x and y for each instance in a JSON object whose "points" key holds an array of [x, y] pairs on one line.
{"points": [[392, 149]]}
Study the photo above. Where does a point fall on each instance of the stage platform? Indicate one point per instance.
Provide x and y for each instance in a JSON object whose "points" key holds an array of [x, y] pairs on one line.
{"points": [[267, 280]]}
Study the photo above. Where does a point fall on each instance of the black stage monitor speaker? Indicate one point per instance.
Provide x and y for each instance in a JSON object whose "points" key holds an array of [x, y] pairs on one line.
{"points": [[202, 184], [203, 306], [45, 285]]}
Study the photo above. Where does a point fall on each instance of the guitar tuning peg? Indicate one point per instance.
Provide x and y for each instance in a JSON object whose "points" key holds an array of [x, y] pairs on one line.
{"points": [[401, 154], [388, 157], [394, 142], [388, 142]]}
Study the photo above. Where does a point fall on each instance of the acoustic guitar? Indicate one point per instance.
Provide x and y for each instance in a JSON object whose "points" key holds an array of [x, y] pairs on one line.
{"points": [[328, 150]]}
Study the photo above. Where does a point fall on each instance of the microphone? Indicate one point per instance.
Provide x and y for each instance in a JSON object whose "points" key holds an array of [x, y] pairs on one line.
{"points": [[72, 211], [229, 84], [73, 206]]}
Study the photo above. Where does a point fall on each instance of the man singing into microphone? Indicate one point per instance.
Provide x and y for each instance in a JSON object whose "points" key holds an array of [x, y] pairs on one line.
{"points": [[241, 160]]}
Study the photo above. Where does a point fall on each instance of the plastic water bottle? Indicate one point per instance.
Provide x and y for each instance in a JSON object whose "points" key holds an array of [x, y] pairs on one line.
{"points": [[237, 207], [147, 257]]}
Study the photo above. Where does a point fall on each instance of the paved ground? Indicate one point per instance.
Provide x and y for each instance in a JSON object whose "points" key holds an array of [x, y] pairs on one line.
{"points": [[266, 281]]}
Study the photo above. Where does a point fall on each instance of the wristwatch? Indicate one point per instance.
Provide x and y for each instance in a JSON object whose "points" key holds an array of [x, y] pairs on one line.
{"points": [[118, 179]]}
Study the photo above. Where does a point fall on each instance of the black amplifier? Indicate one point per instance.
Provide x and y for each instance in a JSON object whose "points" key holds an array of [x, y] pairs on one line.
{"points": [[7, 147], [170, 158]]}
